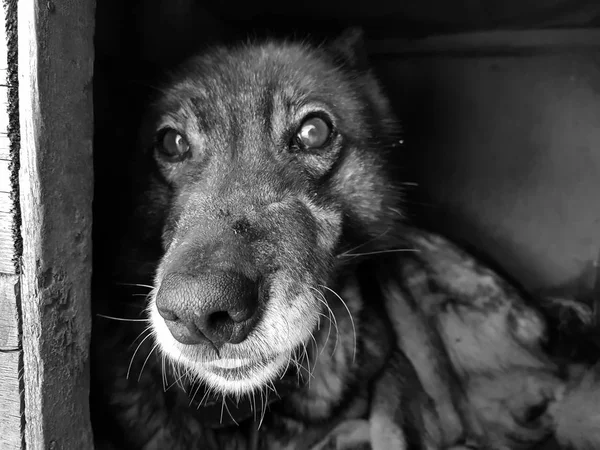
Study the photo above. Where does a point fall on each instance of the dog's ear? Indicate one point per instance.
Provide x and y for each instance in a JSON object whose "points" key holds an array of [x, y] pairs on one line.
{"points": [[350, 48]]}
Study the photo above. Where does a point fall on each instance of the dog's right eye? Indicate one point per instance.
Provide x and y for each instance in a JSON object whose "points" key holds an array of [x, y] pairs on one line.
{"points": [[173, 145], [313, 133]]}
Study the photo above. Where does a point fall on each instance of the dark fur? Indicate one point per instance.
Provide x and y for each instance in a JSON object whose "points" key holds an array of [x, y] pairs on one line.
{"points": [[373, 359]]}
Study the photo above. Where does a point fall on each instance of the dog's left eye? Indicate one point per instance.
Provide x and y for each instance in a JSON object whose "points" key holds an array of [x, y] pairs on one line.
{"points": [[173, 145], [313, 133]]}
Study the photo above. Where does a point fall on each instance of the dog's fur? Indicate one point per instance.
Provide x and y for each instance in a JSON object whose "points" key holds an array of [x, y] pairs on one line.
{"points": [[354, 342]]}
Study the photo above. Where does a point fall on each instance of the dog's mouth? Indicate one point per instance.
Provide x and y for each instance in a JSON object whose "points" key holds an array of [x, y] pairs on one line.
{"points": [[233, 369]]}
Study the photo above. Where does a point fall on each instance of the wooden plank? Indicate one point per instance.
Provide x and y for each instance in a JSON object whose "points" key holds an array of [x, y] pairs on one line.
{"points": [[3, 102], [55, 64], [7, 245], [7, 250], [4, 171], [4, 147], [5, 222], [494, 42], [6, 203], [10, 401], [11, 405], [4, 141], [10, 398]]}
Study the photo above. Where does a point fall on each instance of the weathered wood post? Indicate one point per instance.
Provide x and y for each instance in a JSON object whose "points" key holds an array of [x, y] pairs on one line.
{"points": [[46, 193]]}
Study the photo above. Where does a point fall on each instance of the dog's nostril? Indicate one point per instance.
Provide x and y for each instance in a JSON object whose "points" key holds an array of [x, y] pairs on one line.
{"points": [[186, 332], [219, 318], [168, 315]]}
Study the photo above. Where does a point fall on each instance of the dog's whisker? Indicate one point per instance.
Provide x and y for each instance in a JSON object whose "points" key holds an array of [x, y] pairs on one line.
{"points": [[379, 252], [134, 304], [307, 359], [332, 321], [180, 375], [135, 353], [274, 389], [396, 210], [204, 397], [304, 370], [253, 404], [331, 318], [136, 285], [321, 315], [121, 319], [269, 387], [264, 408], [351, 320], [147, 329], [174, 371], [346, 252], [297, 366], [177, 380], [222, 408], [228, 412], [287, 366], [164, 373], [193, 396], [146, 361], [312, 336]]}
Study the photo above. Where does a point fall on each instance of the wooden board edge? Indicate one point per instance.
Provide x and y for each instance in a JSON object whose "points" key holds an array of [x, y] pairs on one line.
{"points": [[55, 64]]}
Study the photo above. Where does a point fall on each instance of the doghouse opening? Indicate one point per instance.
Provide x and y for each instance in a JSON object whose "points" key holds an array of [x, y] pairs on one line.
{"points": [[499, 102]]}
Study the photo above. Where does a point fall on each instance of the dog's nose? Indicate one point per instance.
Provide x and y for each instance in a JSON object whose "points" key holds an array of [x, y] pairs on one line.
{"points": [[217, 306]]}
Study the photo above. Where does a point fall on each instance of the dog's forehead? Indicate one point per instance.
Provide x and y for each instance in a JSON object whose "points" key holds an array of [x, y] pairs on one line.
{"points": [[242, 78]]}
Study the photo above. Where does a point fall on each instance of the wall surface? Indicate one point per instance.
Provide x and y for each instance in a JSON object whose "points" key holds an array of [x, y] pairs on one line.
{"points": [[402, 18], [506, 146]]}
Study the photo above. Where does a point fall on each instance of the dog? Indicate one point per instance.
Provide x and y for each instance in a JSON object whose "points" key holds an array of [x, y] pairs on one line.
{"points": [[288, 304]]}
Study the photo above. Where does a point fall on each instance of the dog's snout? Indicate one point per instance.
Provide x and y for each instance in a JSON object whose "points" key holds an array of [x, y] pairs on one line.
{"points": [[215, 307]]}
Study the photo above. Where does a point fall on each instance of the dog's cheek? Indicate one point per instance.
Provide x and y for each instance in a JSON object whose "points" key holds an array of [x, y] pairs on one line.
{"points": [[168, 232], [327, 224], [361, 186], [329, 229]]}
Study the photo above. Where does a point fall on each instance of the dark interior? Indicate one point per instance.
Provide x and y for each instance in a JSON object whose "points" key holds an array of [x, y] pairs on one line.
{"points": [[499, 100]]}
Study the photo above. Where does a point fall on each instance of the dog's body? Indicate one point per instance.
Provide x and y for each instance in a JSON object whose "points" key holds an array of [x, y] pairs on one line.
{"points": [[270, 235]]}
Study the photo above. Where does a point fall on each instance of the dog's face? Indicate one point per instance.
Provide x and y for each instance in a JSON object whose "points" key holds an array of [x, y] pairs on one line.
{"points": [[270, 159]]}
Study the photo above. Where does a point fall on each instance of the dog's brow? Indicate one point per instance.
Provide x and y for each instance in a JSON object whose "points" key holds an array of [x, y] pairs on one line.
{"points": [[200, 112], [265, 105]]}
